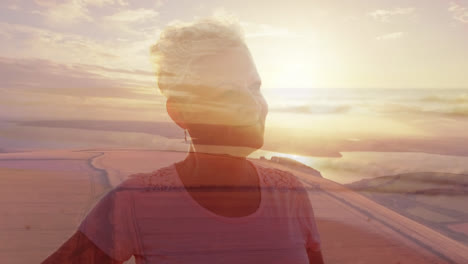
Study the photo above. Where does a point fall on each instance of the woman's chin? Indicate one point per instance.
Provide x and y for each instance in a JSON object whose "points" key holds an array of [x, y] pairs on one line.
{"points": [[240, 149], [251, 141], [251, 136]]}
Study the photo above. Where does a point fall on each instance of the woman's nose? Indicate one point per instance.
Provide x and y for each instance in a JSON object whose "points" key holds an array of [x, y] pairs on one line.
{"points": [[264, 105]]}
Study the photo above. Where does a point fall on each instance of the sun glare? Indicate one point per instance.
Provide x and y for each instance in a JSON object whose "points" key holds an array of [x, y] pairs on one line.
{"points": [[292, 64], [294, 75], [302, 159]]}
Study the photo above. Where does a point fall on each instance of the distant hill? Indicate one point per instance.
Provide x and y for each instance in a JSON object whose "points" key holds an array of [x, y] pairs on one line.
{"points": [[420, 182], [438, 200], [165, 129], [294, 164]]}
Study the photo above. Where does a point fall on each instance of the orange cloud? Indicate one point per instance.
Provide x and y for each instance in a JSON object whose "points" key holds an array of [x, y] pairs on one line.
{"points": [[385, 15], [459, 13], [42, 76], [73, 11], [128, 16]]}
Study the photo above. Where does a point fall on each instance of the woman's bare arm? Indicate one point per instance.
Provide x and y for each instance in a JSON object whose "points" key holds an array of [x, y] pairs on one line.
{"points": [[79, 249], [315, 257]]}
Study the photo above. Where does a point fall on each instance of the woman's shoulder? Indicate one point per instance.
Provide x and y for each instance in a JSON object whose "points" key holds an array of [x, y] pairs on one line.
{"points": [[164, 176], [277, 178]]}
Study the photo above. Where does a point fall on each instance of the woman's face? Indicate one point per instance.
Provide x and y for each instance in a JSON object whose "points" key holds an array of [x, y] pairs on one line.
{"points": [[229, 108]]}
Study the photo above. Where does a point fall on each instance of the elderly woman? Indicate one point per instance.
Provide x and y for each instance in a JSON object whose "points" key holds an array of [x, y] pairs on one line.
{"points": [[215, 206]]}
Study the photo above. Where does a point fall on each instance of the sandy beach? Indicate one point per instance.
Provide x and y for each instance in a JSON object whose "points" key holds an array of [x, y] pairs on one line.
{"points": [[45, 195]]}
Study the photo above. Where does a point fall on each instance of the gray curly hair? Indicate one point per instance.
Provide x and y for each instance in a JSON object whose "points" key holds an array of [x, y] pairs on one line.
{"points": [[181, 44]]}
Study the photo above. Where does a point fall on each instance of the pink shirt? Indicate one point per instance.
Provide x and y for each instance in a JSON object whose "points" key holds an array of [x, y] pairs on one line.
{"points": [[153, 217]]}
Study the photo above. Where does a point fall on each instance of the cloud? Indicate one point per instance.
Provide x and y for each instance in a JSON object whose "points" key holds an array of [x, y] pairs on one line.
{"points": [[136, 15], [36, 42], [84, 3], [385, 15], [47, 3], [26, 41], [42, 76], [68, 13], [73, 11], [391, 36], [265, 30], [13, 7], [105, 2], [34, 88], [459, 13]]}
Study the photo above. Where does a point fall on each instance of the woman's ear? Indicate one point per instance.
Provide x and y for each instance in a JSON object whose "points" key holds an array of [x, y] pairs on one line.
{"points": [[175, 113]]}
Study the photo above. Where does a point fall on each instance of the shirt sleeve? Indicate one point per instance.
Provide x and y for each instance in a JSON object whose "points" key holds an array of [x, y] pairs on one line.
{"points": [[110, 226], [306, 217]]}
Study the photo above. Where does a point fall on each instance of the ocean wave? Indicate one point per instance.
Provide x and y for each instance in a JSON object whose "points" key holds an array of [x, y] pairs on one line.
{"points": [[440, 109], [313, 109], [354, 166], [457, 99]]}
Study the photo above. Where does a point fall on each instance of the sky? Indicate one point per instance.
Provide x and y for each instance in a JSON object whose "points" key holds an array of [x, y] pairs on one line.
{"points": [[299, 44], [89, 60]]}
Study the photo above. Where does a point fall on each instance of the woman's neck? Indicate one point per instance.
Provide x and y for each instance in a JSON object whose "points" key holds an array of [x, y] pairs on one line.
{"points": [[200, 168], [222, 150]]}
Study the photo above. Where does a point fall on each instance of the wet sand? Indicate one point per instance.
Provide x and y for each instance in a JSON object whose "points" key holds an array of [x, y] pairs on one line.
{"points": [[44, 196]]}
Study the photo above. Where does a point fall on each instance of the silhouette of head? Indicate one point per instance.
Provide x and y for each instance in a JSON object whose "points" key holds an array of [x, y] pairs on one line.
{"points": [[212, 85]]}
